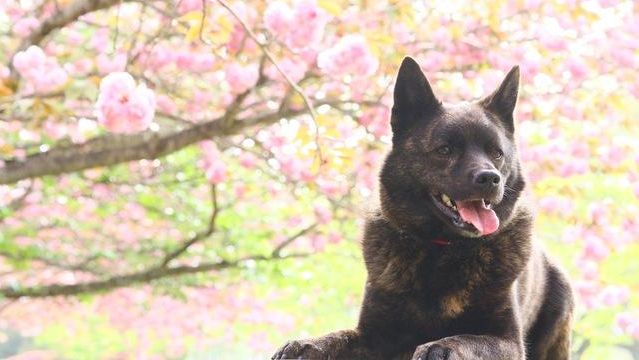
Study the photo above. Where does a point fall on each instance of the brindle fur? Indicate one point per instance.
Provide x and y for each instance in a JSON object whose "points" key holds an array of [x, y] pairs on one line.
{"points": [[491, 297]]}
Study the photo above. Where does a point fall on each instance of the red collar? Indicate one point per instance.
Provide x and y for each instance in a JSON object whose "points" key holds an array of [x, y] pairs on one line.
{"points": [[441, 241]]}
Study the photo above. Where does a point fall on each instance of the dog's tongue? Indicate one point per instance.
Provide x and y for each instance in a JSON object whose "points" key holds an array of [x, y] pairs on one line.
{"points": [[474, 212]]}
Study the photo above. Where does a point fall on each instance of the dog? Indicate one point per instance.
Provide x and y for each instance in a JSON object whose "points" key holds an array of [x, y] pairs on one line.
{"points": [[453, 272]]}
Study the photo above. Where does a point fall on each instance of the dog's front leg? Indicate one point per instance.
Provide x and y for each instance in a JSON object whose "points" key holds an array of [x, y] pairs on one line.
{"points": [[470, 347], [345, 344]]}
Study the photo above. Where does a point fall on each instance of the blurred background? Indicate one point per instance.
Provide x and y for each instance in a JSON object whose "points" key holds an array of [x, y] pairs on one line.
{"points": [[187, 179]]}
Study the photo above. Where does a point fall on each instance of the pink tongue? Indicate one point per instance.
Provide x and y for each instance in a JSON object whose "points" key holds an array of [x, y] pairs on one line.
{"points": [[474, 212]]}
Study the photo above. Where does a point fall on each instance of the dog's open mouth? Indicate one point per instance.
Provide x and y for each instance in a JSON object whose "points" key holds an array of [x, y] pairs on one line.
{"points": [[471, 215]]}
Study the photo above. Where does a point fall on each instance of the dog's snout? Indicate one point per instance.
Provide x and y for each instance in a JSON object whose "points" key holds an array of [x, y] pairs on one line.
{"points": [[487, 179]]}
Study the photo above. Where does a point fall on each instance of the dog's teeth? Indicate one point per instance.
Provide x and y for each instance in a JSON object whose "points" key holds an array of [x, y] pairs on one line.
{"points": [[446, 200], [486, 204]]}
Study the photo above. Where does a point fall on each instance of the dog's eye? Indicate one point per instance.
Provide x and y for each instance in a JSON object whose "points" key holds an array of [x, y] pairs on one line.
{"points": [[499, 154], [444, 150]]}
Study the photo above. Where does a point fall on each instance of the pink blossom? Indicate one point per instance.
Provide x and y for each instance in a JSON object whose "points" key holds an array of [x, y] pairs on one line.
{"points": [[107, 64], [195, 61], [589, 269], [295, 221], [200, 101], [278, 18], [608, 3], [309, 27], [214, 168], [550, 37], [185, 6], [613, 156], [577, 67], [295, 70], [625, 57], [160, 57], [553, 42], [435, 61], [123, 107], [166, 105], [241, 78], [598, 212], [588, 292], [331, 187], [239, 40], [240, 189], [248, 160], [441, 36], [402, 33], [55, 78], [323, 214], [290, 166], [531, 64], [500, 61], [595, 248], [559, 206], [74, 37], [42, 72], [572, 234], [376, 120], [300, 27], [54, 130], [79, 67], [628, 323], [573, 166], [350, 55], [25, 26], [318, 242], [614, 295], [100, 40], [334, 237], [216, 172]]}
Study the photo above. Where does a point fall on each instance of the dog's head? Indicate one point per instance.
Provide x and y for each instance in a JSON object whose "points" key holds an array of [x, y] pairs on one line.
{"points": [[451, 166]]}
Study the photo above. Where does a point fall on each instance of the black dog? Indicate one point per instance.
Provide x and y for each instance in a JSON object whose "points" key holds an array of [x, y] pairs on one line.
{"points": [[452, 270]]}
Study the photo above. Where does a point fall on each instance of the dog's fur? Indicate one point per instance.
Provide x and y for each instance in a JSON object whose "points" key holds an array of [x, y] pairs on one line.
{"points": [[478, 297]]}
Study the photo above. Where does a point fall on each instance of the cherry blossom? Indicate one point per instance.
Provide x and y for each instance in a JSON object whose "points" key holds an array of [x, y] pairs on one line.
{"points": [[43, 72], [123, 107]]}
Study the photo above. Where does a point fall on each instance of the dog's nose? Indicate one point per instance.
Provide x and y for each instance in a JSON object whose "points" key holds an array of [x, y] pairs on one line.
{"points": [[487, 179]]}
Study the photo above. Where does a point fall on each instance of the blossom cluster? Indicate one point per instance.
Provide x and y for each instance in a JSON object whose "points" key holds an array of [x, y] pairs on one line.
{"points": [[42, 72]]}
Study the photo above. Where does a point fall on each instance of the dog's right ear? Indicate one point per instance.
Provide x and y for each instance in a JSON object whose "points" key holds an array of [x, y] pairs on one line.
{"points": [[413, 97]]}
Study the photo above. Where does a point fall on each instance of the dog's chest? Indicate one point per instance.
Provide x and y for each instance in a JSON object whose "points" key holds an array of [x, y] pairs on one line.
{"points": [[433, 271], [437, 283]]}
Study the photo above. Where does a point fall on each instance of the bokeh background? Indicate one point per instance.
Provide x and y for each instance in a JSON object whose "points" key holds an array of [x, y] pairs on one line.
{"points": [[187, 179]]}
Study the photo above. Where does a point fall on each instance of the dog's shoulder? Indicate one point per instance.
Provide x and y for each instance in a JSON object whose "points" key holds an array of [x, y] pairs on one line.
{"points": [[392, 260]]}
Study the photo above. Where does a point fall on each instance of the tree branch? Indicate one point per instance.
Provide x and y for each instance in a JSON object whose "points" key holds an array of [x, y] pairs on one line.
{"points": [[278, 249], [80, 266], [13, 292], [114, 149], [200, 236]]}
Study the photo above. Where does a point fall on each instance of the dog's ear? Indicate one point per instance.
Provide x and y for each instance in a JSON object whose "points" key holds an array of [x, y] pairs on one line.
{"points": [[413, 96], [502, 102]]}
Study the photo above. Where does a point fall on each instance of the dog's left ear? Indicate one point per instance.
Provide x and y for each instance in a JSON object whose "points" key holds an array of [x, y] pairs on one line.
{"points": [[502, 102]]}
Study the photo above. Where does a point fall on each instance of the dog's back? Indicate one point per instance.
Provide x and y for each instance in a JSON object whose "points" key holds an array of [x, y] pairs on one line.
{"points": [[546, 304]]}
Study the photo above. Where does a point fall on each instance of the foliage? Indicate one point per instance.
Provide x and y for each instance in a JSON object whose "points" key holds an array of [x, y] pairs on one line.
{"points": [[193, 174]]}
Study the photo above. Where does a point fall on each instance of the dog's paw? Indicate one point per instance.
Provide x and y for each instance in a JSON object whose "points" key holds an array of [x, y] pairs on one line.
{"points": [[299, 349], [433, 351]]}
